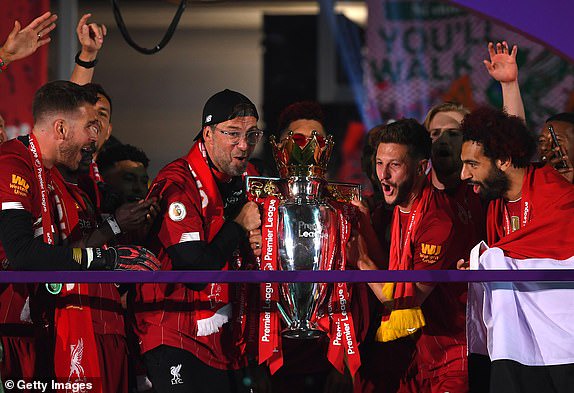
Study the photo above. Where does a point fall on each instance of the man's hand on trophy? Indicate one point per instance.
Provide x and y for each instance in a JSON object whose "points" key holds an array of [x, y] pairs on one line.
{"points": [[363, 212], [255, 240], [358, 253], [249, 217]]}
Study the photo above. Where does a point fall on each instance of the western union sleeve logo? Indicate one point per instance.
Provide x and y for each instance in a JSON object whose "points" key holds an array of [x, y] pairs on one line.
{"points": [[430, 249], [430, 252], [19, 185]]}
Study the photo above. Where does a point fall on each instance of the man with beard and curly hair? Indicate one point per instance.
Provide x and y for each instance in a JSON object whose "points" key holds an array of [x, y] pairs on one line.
{"points": [[529, 219]]}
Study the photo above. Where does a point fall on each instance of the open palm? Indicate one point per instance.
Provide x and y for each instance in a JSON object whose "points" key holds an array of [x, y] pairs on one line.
{"points": [[502, 65], [22, 42]]}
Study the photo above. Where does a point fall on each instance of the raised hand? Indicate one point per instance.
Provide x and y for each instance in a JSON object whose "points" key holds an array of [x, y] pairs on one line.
{"points": [[502, 65], [91, 37], [22, 42]]}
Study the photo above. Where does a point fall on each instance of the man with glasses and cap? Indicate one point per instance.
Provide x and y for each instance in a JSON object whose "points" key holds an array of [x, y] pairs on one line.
{"points": [[196, 337]]}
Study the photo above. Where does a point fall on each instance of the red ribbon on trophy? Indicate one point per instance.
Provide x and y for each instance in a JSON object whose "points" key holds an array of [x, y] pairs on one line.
{"points": [[342, 338], [269, 323]]}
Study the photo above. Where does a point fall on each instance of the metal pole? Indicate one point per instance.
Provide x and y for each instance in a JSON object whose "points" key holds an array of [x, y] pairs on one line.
{"points": [[67, 41]]}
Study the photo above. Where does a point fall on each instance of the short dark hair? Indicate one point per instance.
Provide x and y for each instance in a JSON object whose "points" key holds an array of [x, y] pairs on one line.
{"points": [[107, 158], [566, 117], [407, 132], [368, 157], [61, 96], [307, 110], [100, 90], [501, 136]]}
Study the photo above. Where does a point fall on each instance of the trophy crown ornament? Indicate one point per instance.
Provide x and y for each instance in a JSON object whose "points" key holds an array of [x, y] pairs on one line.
{"points": [[302, 157]]}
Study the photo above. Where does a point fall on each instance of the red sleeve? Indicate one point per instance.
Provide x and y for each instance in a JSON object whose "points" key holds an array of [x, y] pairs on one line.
{"points": [[432, 243], [180, 217], [17, 181]]}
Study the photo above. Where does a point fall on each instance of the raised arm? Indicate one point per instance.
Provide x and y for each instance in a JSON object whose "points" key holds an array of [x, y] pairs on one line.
{"points": [[91, 37], [503, 68], [22, 42]]}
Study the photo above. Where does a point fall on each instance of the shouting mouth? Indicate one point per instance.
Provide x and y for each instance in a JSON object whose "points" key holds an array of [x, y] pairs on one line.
{"points": [[87, 153], [475, 187], [388, 189]]}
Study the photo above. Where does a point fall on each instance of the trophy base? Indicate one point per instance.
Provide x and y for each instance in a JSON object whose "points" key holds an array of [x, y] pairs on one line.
{"points": [[305, 334]]}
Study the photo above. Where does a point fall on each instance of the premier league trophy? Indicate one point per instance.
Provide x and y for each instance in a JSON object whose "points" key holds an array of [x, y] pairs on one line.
{"points": [[306, 224]]}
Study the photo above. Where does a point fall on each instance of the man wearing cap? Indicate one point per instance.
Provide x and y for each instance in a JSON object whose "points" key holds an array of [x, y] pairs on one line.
{"points": [[195, 337]]}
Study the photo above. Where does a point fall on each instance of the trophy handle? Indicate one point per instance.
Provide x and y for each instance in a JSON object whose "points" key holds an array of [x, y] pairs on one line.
{"points": [[285, 316]]}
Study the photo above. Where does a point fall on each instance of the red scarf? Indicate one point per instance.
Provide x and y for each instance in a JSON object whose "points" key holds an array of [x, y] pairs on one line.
{"points": [[547, 213], [401, 253], [75, 353], [216, 295], [343, 346], [338, 322], [95, 173], [269, 324], [210, 302]]}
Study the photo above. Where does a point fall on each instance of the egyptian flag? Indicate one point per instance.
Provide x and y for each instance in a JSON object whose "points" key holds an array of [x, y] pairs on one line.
{"points": [[529, 322]]}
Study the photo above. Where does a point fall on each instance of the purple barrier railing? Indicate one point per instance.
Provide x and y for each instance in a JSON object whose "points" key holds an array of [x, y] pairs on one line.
{"points": [[288, 276]]}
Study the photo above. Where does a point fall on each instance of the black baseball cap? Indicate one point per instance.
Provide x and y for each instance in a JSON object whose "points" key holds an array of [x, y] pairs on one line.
{"points": [[226, 105]]}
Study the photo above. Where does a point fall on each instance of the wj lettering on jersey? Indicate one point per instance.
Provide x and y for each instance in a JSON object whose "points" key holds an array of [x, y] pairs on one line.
{"points": [[19, 185], [430, 249]]}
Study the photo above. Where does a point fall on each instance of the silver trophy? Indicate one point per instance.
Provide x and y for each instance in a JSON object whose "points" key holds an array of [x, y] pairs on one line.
{"points": [[308, 226]]}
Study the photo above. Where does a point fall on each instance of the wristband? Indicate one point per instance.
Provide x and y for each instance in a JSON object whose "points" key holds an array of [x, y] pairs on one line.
{"points": [[3, 65], [111, 220], [85, 64], [98, 258]]}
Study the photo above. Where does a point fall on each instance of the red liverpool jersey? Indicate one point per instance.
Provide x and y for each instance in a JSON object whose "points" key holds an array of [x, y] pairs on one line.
{"points": [[452, 225], [167, 314]]}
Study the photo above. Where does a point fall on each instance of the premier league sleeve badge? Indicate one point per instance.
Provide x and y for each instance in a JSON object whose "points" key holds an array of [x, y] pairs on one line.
{"points": [[176, 211]]}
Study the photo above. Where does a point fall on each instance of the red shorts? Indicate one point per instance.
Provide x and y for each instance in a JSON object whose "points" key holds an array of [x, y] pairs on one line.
{"points": [[19, 358], [113, 357]]}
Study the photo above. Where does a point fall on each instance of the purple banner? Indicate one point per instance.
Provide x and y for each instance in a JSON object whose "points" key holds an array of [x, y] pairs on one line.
{"points": [[544, 21], [421, 53]]}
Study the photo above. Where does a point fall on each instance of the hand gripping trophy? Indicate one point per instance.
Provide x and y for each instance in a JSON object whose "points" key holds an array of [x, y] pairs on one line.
{"points": [[305, 226]]}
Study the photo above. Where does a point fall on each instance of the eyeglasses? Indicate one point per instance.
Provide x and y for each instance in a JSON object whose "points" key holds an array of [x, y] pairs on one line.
{"points": [[252, 137]]}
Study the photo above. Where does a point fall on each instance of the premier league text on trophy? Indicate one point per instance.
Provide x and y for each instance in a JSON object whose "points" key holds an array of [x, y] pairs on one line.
{"points": [[268, 258]]}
